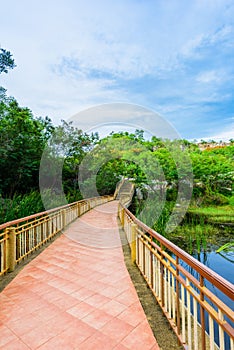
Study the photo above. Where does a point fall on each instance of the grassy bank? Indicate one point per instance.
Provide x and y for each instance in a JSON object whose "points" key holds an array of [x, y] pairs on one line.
{"points": [[215, 214], [205, 228]]}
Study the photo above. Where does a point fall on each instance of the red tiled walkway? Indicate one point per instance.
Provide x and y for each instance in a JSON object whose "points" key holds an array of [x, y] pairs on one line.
{"points": [[77, 294]]}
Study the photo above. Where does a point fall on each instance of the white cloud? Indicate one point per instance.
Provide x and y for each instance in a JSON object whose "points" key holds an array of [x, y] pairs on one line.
{"points": [[111, 51], [192, 48], [211, 76], [124, 116], [224, 135]]}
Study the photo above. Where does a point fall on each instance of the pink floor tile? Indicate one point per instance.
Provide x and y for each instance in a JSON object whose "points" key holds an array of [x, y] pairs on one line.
{"points": [[42, 334], [42, 288], [83, 293], [66, 302], [140, 338], [53, 295], [46, 311], [97, 319], [120, 347], [128, 297], [15, 345], [11, 313], [97, 300], [133, 314], [98, 341], [116, 329], [6, 337], [81, 310], [97, 286], [113, 308], [110, 292], [29, 323]]}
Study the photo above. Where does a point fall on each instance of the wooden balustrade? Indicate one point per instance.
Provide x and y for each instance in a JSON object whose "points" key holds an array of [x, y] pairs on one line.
{"points": [[19, 238], [200, 319]]}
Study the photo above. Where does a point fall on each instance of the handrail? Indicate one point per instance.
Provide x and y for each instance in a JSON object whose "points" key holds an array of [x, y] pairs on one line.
{"points": [[125, 197], [200, 319], [221, 283], [49, 211], [118, 186], [20, 237]]}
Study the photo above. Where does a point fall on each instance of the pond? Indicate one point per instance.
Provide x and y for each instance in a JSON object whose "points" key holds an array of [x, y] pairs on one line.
{"points": [[221, 263]]}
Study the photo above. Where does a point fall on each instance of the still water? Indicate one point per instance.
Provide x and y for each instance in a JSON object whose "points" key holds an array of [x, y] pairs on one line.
{"points": [[223, 264]]}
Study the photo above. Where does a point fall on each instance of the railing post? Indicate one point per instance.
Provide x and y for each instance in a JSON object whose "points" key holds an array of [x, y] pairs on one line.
{"points": [[144, 262], [133, 242], [151, 265], [202, 311], [119, 210], [162, 277], [78, 209], [122, 217], [11, 249], [178, 323], [162, 283], [64, 218]]}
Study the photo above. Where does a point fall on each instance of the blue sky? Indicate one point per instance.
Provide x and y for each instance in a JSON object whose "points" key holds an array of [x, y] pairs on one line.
{"points": [[174, 57]]}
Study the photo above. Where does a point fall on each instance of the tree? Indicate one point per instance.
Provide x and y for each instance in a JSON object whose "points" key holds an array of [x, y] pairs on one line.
{"points": [[6, 61], [62, 156], [22, 140]]}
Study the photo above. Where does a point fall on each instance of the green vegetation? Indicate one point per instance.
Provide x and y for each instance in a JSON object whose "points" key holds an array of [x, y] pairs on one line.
{"points": [[20, 205], [159, 167], [227, 251], [218, 214], [6, 61], [226, 247], [23, 139]]}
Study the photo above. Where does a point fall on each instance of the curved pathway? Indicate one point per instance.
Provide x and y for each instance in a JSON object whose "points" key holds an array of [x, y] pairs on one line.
{"points": [[77, 294]]}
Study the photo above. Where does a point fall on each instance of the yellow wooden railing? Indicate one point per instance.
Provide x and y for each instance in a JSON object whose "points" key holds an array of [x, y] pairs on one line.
{"points": [[199, 318], [118, 186], [125, 197], [19, 238]]}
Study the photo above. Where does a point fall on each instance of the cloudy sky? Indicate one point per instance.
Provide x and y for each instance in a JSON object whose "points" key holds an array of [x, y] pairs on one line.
{"points": [[173, 57]]}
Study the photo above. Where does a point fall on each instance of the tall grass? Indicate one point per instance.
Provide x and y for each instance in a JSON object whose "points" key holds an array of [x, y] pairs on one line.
{"points": [[195, 238], [23, 205], [153, 212], [196, 234], [20, 206]]}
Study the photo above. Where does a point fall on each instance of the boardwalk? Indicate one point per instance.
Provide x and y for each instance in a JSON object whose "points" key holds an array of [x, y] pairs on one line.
{"points": [[76, 294]]}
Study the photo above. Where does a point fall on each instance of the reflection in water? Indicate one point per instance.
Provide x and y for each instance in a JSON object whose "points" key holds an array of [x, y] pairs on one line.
{"points": [[202, 257], [226, 256]]}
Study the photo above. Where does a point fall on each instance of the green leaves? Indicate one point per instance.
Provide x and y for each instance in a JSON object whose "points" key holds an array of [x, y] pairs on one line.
{"points": [[6, 61], [22, 140], [213, 170]]}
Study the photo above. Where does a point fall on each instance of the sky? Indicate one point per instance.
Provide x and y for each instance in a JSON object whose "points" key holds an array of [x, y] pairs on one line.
{"points": [[174, 58]]}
